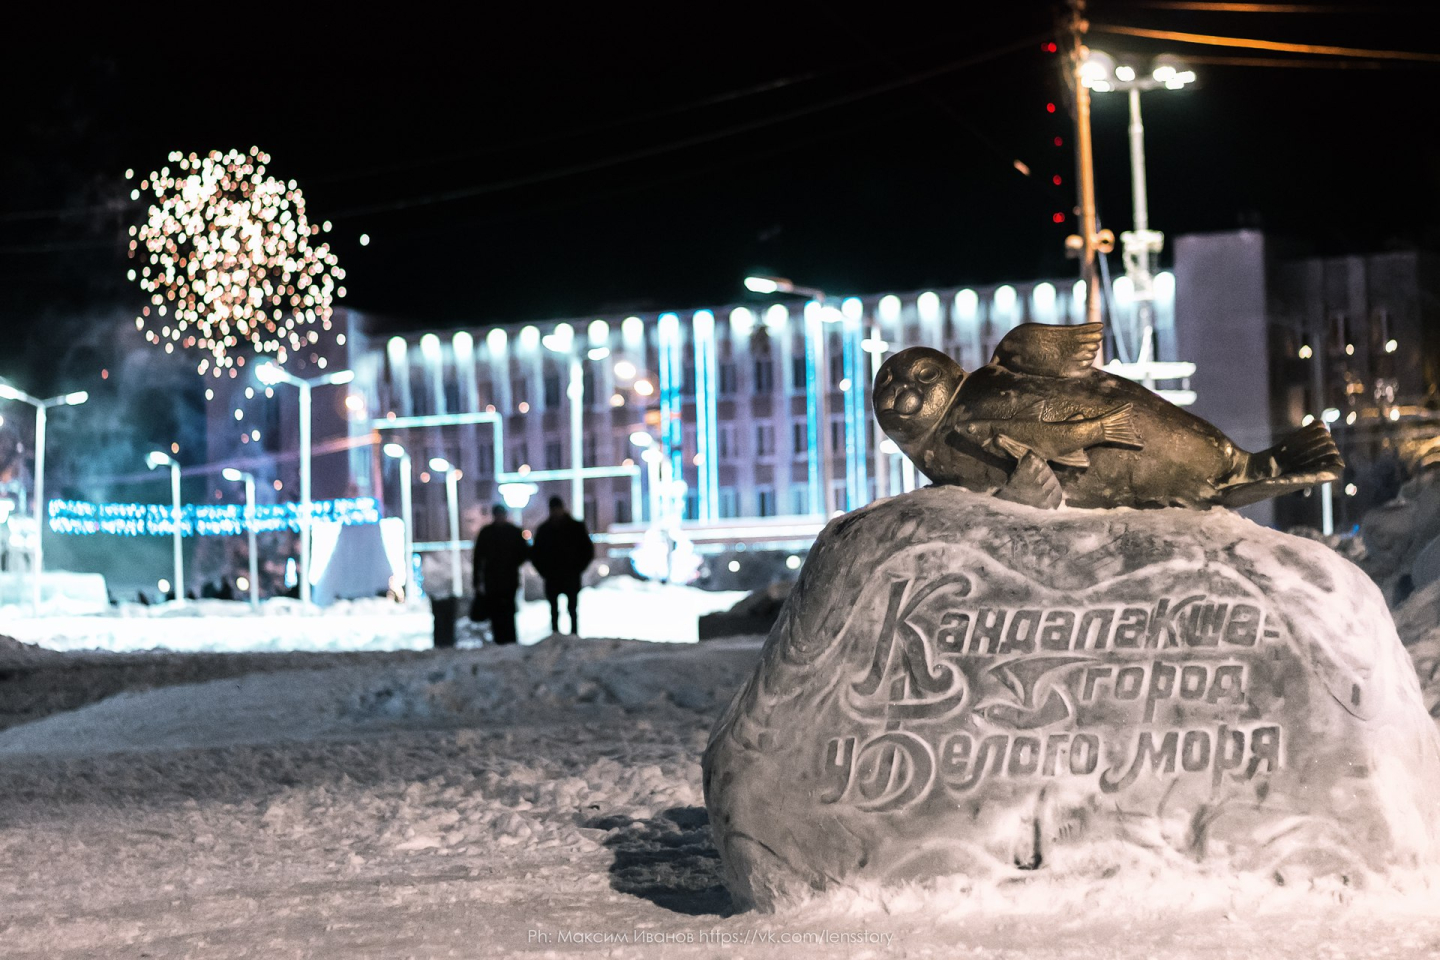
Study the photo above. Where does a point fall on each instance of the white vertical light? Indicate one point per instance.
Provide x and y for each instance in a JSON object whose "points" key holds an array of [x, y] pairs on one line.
{"points": [[435, 367], [742, 322], [889, 310], [1042, 303], [396, 350], [463, 345], [776, 317], [632, 339]]}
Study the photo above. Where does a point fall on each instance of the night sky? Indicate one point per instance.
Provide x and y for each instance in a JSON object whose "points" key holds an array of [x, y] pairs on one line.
{"points": [[564, 164]]}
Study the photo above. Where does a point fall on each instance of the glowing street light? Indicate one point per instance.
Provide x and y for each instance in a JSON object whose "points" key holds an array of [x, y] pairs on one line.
{"points": [[407, 509], [234, 475], [8, 392], [270, 375], [782, 285], [517, 495], [452, 501], [156, 459]]}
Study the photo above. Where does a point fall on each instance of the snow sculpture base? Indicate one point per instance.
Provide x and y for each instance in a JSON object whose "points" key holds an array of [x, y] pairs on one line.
{"points": [[959, 684]]}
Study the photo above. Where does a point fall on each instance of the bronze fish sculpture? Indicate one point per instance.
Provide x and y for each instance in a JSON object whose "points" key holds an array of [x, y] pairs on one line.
{"points": [[1040, 424]]}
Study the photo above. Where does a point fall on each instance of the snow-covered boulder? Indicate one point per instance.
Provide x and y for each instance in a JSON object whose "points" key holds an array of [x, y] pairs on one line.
{"points": [[959, 684]]}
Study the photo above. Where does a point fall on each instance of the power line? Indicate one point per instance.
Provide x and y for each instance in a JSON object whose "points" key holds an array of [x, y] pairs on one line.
{"points": [[464, 193], [1206, 39], [1209, 6], [1293, 62], [60, 246], [63, 213], [575, 132]]}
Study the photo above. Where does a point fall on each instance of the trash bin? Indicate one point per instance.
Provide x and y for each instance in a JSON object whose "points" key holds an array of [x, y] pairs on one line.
{"points": [[446, 611]]}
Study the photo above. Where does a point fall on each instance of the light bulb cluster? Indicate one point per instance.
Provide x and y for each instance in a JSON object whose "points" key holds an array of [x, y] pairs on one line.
{"points": [[229, 259]]}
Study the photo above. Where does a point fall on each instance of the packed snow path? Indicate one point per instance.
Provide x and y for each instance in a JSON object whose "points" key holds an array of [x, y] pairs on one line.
{"points": [[540, 801]]}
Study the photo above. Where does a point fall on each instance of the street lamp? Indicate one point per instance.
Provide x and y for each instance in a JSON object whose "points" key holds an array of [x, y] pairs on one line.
{"points": [[8, 392], [782, 285], [270, 374], [1101, 73], [232, 474], [407, 510], [452, 500], [155, 459], [517, 495], [562, 341]]}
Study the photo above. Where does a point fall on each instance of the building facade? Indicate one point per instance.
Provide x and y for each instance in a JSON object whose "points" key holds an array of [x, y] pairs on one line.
{"points": [[763, 410]]}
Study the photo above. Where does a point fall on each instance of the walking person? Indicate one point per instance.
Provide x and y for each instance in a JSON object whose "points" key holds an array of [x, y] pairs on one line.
{"points": [[500, 549], [562, 552]]}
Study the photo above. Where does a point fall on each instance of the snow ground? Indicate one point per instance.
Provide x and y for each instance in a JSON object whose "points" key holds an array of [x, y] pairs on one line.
{"points": [[473, 803], [617, 607]]}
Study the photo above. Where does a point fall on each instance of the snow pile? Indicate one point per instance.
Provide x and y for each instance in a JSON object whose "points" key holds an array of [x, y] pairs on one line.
{"points": [[14, 653], [1419, 616], [1426, 656], [495, 685]]}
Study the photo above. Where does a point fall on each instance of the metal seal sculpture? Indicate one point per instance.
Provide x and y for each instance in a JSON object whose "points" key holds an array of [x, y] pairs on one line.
{"points": [[1041, 425]]}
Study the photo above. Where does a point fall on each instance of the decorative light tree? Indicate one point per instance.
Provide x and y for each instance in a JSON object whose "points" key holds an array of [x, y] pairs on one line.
{"points": [[227, 257]]}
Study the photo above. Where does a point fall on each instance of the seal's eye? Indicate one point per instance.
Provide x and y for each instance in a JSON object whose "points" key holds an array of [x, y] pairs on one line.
{"points": [[927, 373]]}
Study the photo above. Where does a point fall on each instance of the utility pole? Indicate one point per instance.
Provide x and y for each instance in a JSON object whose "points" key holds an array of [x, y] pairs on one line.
{"points": [[1090, 240]]}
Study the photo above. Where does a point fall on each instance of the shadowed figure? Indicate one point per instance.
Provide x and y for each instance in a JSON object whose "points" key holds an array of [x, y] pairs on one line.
{"points": [[562, 551], [500, 549]]}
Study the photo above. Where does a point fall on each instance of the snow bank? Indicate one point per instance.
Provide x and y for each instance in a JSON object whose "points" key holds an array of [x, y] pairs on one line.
{"points": [[491, 686], [617, 607]]}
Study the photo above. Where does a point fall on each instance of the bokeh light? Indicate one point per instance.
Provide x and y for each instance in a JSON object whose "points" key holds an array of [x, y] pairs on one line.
{"points": [[226, 257]]}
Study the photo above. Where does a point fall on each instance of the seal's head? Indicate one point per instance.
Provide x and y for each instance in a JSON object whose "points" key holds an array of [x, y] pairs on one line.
{"points": [[913, 390]]}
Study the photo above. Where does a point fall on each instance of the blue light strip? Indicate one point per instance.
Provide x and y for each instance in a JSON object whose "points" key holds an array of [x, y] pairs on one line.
{"points": [[77, 517], [814, 377], [672, 432], [856, 487], [706, 375]]}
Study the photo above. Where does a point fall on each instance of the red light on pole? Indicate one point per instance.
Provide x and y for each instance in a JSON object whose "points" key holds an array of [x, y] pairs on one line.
{"points": [[1058, 218], [1049, 108], [1055, 179], [1059, 142]]}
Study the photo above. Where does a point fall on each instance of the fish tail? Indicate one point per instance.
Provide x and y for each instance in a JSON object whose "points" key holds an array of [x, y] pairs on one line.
{"points": [[1118, 426], [1306, 456]]}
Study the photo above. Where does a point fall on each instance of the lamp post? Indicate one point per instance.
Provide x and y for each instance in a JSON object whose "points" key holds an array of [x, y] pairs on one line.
{"points": [[154, 459], [232, 474], [452, 501], [8, 392], [650, 453], [270, 374], [1101, 73], [407, 509]]}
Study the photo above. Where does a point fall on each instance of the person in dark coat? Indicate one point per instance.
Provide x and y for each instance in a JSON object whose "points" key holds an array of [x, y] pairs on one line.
{"points": [[562, 552], [500, 549]]}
